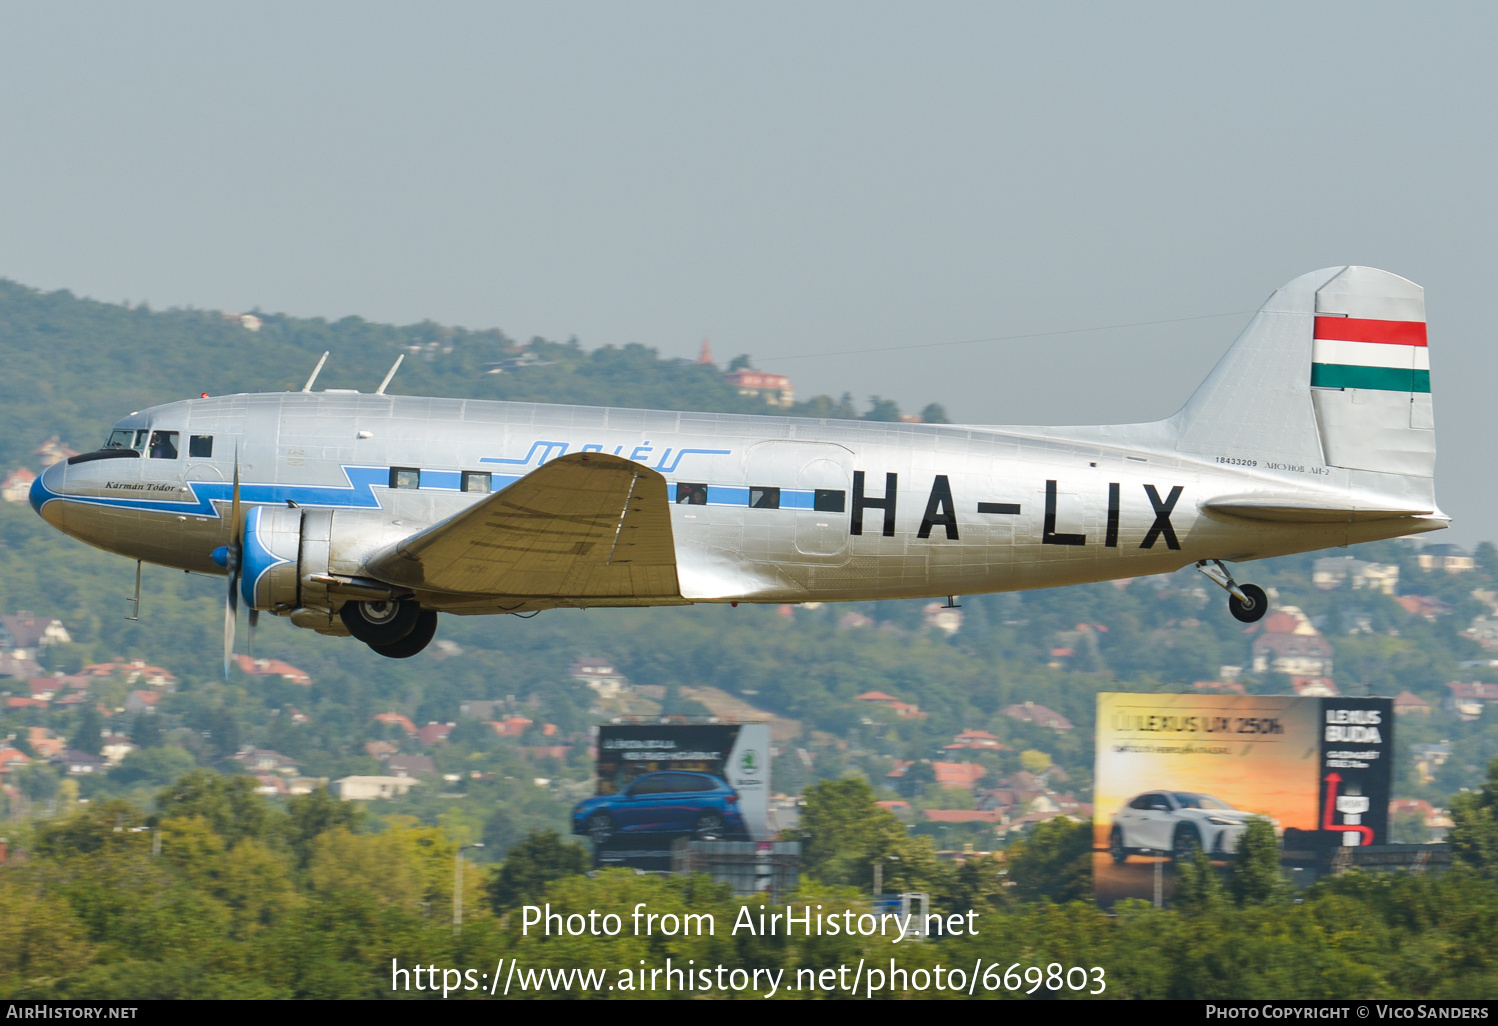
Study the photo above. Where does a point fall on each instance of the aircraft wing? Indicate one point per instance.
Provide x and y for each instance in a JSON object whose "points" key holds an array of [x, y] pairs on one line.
{"points": [[588, 525]]}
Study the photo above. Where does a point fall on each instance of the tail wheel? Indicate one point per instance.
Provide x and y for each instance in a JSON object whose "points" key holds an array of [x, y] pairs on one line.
{"points": [[1254, 609], [420, 637], [380, 624]]}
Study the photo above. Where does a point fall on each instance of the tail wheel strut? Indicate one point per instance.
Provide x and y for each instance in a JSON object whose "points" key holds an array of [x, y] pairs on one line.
{"points": [[1247, 602]]}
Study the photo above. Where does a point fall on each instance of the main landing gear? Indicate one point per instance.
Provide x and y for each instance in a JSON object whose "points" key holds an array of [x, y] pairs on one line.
{"points": [[1247, 602], [396, 628]]}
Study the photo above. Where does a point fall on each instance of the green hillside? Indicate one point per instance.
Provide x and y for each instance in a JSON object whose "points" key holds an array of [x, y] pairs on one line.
{"points": [[73, 366]]}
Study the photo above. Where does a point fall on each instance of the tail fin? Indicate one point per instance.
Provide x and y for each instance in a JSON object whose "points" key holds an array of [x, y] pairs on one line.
{"points": [[1333, 370]]}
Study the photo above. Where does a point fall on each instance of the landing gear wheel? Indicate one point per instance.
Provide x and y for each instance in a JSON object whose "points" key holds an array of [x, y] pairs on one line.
{"points": [[420, 637], [1254, 609], [1116, 848], [710, 827], [379, 624]]}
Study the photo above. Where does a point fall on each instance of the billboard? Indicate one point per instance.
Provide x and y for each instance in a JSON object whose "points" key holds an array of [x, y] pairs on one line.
{"points": [[1180, 772], [660, 782]]}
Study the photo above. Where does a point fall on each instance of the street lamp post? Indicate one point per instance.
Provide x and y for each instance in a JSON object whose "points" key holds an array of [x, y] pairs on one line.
{"points": [[458, 887], [879, 873]]}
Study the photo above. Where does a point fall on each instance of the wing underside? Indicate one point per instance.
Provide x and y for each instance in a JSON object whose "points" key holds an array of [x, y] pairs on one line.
{"points": [[589, 525]]}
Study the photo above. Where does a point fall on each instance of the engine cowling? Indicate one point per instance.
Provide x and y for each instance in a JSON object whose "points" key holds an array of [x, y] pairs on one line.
{"points": [[305, 563]]}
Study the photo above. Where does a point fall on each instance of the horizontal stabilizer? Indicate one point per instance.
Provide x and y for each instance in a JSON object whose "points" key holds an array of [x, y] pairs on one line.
{"points": [[1301, 510], [588, 525]]}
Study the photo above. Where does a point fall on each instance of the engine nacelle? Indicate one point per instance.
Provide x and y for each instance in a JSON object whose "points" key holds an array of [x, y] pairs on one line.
{"points": [[293, 556]]}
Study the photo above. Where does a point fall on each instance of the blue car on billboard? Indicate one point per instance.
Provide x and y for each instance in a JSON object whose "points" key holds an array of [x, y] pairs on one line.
{"points": [[669, 802]]}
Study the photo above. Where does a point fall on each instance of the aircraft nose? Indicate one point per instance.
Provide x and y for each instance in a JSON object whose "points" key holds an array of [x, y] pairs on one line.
{"points": [[48, 485]]}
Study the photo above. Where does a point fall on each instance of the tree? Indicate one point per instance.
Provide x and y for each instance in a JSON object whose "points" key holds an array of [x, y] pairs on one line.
{"points": [[1255, 878], [311, 815], [1198, 887], [145, 731], [532, 864], [934, 413], [882, 409], [89, 735], [1486, 558], [229, 804], [740, 362], [842, 831], [1474, 833], [1054, 862]]}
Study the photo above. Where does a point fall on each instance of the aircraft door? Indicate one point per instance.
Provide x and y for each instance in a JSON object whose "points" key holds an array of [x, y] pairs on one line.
{"points": [[799, 502]]}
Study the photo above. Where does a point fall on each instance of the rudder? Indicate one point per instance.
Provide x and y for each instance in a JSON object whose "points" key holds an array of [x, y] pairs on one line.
{"points": [[1333, 369]]}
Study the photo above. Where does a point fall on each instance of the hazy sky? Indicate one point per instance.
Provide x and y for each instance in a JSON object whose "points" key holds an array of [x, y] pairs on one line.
{"points": [[785, 179]]}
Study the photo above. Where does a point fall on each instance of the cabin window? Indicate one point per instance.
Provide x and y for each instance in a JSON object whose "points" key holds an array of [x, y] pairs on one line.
{"points": [[163, 445], [119, 439], [140, 440], [200, 447], [764, 498], [405, 477], [828, 500], [691, 494], [478, 481]]}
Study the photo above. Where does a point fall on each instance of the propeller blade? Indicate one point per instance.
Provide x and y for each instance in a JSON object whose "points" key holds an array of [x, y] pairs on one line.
{"points": [[236, 550], [254, 619], [228, 632]]}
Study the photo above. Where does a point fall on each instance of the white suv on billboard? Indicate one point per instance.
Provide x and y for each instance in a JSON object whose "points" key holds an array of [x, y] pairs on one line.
{"points": [[1178, 822]]}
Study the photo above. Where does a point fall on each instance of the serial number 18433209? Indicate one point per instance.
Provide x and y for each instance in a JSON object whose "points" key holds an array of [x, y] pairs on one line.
{"points": [[1237, 462]]}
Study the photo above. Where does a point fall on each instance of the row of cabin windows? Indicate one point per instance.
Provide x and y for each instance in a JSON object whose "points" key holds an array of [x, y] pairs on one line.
{"points": [[824, 500], [163, 445], [160, 445], [472, 480]]}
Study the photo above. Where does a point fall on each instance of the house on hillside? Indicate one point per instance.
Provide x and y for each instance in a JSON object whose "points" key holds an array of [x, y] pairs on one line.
{"points": [[1030, 712], [435, 733], [1314, 687], [134, 671], [1450, 558], [598, 674], [958, 774], [363, 789], [977, 740], [947, 619], [1330, 573], [17, 486], [1407, 703], [902, 709], [263, 760], [411, 766], [1426, 607], [1467, 699], [1289, 643], [776, 389], [394, 719], [26, 634], [53, 451], [1223, 687], [272, 668]]}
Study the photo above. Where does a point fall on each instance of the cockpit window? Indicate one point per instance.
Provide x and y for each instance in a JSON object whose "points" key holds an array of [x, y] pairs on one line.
{"points": [[140, 440], [200, 447], [119, 439], [163, 445]]}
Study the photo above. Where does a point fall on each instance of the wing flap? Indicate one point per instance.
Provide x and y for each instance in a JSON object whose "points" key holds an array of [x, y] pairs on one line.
{"points": [[589, 525]]}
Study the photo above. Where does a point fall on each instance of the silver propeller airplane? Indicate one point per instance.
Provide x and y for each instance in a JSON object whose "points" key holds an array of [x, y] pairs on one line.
{"points": [[367, 515]]}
